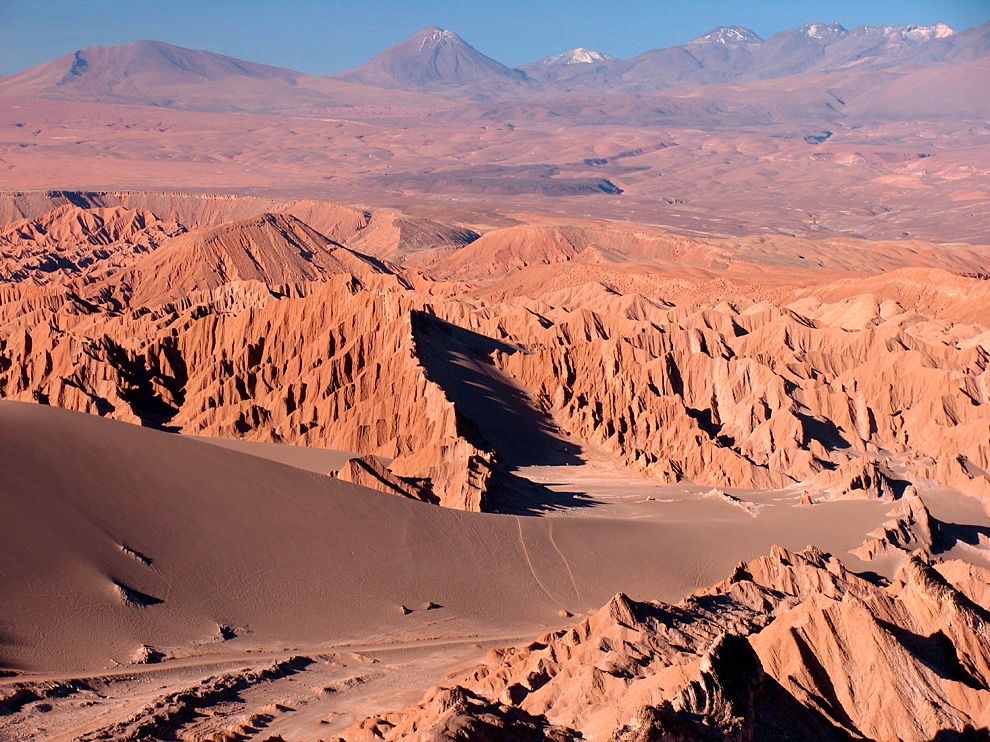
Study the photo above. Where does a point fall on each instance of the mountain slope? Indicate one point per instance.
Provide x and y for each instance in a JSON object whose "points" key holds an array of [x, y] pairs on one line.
{"points": [[435, 59], [154, 73], [271, 248], [723, 54], [736, 54], [75, 225]]}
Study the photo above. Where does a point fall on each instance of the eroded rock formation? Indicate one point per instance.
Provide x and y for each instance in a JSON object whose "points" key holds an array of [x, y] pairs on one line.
{"points": [[792, 646], [69, 242], [759, 396], [266, 329], [910, 528], [372, 472]]}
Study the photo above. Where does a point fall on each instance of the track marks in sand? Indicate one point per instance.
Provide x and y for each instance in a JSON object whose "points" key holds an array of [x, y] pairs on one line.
{"points": [[567, 564], [166, 715], [529, 561], [703, 568], [532, 567]]}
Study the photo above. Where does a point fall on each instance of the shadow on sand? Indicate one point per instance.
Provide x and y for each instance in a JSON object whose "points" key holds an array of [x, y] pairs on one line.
{"points": [[496, 414]]}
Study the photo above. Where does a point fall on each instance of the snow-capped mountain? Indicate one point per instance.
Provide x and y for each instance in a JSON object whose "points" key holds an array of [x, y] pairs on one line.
{"points": [[435, 58], [822, 32], [728, 36], [736, 53], [913, 33], [926, 33], [576, 56]]}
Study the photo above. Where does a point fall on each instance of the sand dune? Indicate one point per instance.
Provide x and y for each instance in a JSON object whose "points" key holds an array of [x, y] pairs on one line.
{"points": [[224, 570], [143, 537]]}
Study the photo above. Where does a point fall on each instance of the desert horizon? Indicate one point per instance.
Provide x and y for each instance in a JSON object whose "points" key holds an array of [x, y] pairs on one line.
{"points": [[635, 393]]}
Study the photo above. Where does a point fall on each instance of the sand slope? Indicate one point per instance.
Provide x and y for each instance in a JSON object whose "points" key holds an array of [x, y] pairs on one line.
{"points": [[118, 536]]}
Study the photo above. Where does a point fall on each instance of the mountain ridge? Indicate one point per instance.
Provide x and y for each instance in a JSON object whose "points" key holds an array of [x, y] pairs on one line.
{"points": [[435, 59], [156, 73]]}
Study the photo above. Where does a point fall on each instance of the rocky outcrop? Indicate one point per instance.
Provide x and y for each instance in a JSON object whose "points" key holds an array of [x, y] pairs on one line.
{"points": [[458, 713], [791, 646], [321, 364], [910, 528], [371, 472], [69, 242], [275, 249], [458, 469], [970, 580], [904, 663], [863, 478]]}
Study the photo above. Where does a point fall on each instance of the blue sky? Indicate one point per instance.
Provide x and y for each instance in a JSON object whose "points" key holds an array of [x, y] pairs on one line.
{"points": [[332, 35]]}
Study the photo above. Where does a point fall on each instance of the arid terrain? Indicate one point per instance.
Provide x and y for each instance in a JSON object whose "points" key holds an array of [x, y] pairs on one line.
{"points": [[604, 399]]}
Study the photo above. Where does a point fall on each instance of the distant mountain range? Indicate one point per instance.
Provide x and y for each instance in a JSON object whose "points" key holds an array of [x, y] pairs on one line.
{"points": [[153, 73], [438, 60], [736, 54]]}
